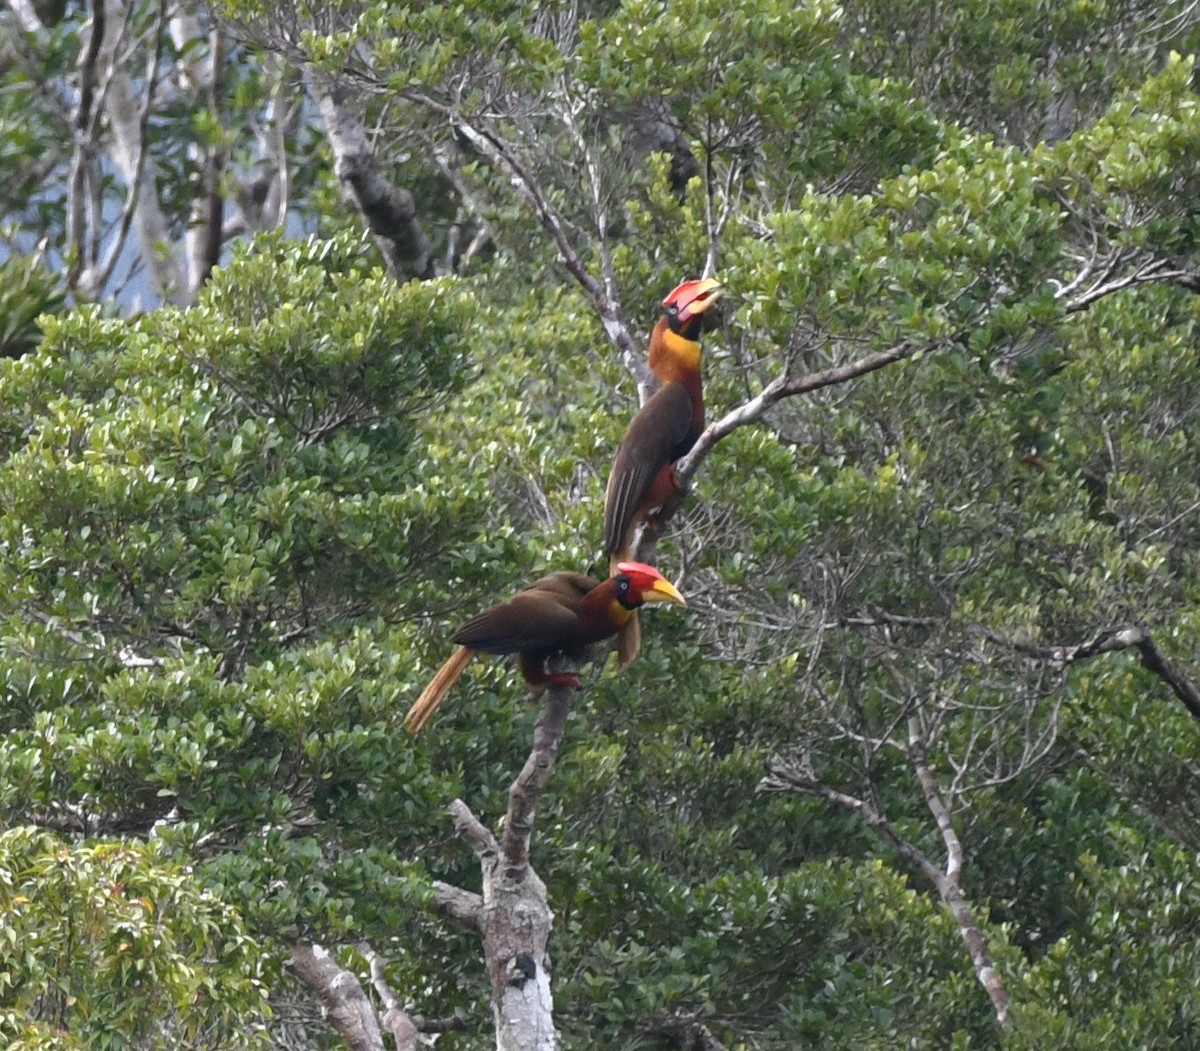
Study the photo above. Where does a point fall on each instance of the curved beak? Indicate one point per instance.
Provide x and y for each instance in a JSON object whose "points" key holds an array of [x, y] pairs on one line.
{"points": [[663, 591], [703, 295]]}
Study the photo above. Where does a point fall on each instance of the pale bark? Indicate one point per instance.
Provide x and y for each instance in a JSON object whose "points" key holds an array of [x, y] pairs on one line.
{"points": [[129, 154], [948, 881], [341, 993], [200, 76], [389, 211], [1133, 636], [395, 1018], [505, 159], [792, 776], [513, 914]]}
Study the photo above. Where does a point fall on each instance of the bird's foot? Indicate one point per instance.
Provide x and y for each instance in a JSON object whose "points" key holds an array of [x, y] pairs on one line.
{"points": [[565, 678]]}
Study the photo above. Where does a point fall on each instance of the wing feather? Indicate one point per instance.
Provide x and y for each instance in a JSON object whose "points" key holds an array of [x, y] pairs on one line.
{"points": [[657, 435], [545, 616]]}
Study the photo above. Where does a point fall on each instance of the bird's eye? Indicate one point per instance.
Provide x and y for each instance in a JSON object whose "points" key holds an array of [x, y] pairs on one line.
{"points": [[672, 310], [624, 585]]}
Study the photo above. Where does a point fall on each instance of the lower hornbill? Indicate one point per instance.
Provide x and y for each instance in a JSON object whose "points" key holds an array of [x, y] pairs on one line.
{"points": [[562, 613]]}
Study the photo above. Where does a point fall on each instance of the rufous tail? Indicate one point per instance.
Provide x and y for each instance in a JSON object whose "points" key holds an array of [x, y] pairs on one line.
{"points": [[629, 640], [433, 694]]}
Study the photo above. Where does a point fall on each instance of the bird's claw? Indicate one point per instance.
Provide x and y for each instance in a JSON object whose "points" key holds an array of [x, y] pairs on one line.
{"points": [[565, 678]]}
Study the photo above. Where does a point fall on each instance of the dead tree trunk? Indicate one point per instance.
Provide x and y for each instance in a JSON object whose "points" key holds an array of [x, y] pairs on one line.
{"points": [[513, 913]]}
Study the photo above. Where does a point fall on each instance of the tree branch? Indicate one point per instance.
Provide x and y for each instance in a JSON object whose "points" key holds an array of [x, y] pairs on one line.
{"points": [[462, 905], [397, 1020], [499, 154], [478, 836], [389, 211], [350, 1012], [214, 200], [948, 882], [783, 387], [527, 789], [1110, 641], [796, 776]]}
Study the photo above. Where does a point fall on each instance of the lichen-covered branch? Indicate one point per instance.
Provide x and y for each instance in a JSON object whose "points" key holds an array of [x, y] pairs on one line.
{"points": [[389, 211], [527, 789], [341, 993], [462, 905], [513, 914], [398, 1022]]}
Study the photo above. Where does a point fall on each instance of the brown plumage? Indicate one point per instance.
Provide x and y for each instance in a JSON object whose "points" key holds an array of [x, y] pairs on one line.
{"points": [[643, 475], [562, 613]]}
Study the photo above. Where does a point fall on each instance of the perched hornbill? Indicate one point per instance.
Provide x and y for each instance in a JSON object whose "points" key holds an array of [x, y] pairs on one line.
{"points": [[562, 613], [643, 475]]}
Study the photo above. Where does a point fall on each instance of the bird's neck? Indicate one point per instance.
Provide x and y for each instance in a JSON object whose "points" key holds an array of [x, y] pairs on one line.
{"points": [[673, 357], [600, 614], [676, 359]]}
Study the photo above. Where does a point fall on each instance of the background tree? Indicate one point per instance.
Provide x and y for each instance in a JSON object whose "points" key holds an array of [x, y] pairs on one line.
{"points": [[943, 585]]}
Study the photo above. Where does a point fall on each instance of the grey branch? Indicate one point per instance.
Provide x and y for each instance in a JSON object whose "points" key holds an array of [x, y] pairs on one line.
{"points": [[475, 832], [350, 1011], [531, 782], [948, 884], [1109, 641], [505, 159], [784, 387], [395, 1018], [389, 211], [795, 776], [462, 905]]}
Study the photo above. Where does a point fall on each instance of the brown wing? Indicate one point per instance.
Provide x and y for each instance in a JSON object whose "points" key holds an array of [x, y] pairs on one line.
{"points": [[544, 616], [658, 434]]}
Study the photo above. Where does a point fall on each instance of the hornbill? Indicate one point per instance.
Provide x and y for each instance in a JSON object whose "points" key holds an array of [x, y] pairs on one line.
{"points": [[562, 613], [643, 475]]}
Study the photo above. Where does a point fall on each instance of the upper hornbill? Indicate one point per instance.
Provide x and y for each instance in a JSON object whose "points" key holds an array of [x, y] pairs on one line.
{"points": [[562, 613], [643, 475]]}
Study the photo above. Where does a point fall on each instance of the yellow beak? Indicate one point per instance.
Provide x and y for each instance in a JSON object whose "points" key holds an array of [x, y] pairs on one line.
{"points": [[707, 292], [663, 591]]}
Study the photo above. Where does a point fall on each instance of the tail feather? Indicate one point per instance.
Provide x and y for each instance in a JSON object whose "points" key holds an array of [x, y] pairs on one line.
{"points": [[433, 694], [629, 641]]}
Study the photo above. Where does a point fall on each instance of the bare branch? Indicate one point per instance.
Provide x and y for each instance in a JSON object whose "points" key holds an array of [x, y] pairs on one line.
{"points": [[641, 372], [1106, 282], [350, 1012], [85, 129], [212, 232], [783, 775], [395, 1018], [1110, 641], [531, 781], [783, 387], [948, 884], [389, 211], [462, 905], [504, 158], [474, 831], [1155, 662], [95, 277], [715, 226]]}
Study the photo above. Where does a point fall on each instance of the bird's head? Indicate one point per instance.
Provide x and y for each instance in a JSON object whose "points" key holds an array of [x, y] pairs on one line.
{"points": [[687, 305], [638, 584]]}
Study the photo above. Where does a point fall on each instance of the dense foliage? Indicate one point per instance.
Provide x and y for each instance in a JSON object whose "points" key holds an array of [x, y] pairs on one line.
{"points": [[235, 538]]}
